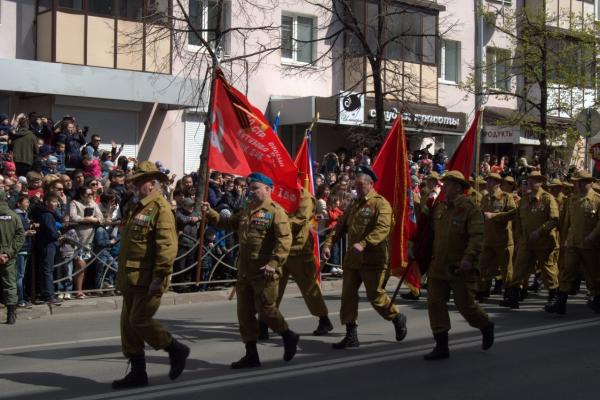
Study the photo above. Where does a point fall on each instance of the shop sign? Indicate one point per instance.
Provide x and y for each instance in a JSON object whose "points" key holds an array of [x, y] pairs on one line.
{"points": [[425, 120], [500, 134], [351, 108]]}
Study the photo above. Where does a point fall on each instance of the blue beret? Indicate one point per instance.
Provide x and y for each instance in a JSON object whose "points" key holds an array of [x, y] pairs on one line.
{"points": [[363, 169], [258, 177]]}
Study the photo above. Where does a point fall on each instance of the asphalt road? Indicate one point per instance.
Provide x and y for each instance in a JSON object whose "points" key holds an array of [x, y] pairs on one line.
{"points": [[536, 356]]}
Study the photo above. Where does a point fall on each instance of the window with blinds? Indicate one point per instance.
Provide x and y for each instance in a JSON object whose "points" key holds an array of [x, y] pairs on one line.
{"points": [[194, 137]]}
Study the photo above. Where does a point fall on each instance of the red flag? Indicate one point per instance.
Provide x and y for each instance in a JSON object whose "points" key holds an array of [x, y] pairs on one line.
{"points": [[242, 142], [391, 167], [303, 162], [462, 159]]}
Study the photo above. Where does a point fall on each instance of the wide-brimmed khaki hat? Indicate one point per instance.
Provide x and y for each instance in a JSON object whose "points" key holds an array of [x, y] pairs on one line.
{"points": [[537, 175], [456, 176], [147, 170], [494, 176], [583, 176], [433, 175], [511, 180], [556, 182]]}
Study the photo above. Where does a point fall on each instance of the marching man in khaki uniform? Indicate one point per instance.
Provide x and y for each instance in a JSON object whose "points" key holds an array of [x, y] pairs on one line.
{"points": [[368, 222], [265, 239], [498, 209], [301, 265], [458, 239], [582, 246], [148, 251], [538, 240]]}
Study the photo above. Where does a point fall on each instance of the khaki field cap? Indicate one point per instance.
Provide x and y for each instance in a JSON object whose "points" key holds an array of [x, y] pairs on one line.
{"points": [[555, 182], [480, 181], [456, 176], [146, 170], [583, 176], [537, 175], [511, 180], [494, 176]]}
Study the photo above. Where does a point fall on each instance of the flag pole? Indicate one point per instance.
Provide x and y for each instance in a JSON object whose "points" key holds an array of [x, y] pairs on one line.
{"points": [[477, 148], [203, 175], [402, 279]]}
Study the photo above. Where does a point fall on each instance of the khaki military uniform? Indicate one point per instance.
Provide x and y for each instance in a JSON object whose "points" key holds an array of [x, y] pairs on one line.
{"points": [[537, 212], [582, 219], [148, 251], [264, 239], [475, 196], [12, 236], [301, 261], [367, 221], [458, 235], [498, 246], [562, 203]]}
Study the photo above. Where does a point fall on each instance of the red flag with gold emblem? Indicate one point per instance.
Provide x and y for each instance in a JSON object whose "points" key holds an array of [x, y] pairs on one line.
{"points": [[392, 170], [304, 164], [241, 142]]}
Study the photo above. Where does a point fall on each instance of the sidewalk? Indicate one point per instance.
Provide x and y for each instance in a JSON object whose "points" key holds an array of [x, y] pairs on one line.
{"points": [[113, 303]]}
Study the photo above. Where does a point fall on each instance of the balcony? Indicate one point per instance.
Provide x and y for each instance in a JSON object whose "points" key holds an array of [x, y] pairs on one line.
{"points": [[119, 34]]}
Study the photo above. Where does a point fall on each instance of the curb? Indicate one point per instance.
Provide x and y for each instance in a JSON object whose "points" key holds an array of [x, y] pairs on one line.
{"points": [[114, 303]]}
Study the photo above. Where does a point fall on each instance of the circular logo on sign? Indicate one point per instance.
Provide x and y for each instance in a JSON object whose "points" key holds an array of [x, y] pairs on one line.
{"points": [[351, 102]]}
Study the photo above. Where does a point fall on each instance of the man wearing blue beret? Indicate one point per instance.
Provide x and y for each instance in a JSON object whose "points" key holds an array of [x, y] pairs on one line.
{"points": [[265, 238]]}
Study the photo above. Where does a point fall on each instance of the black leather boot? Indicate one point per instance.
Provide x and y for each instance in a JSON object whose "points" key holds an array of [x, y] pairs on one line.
{"points": [[410, 296], [11, 314], [594, 304], [441, 350], [487, 336], [250, 360], [178, 354], [290, 344], [559, 305], [551, 296], [512, 298], [535, 285], [263, 330], [325, 326], [482, 295], [576, 285], [497, 287], [400, 327], [350, 340], [137, 377]]}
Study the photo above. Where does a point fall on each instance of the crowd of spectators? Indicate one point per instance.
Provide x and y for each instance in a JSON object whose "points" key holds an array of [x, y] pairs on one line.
{"points": [[71, 196]]}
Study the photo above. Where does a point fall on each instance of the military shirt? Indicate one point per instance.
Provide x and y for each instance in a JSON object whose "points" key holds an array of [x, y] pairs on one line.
{"points": [[458, 235], [12, 234], [497, 231], [581, 219], [148, 243], [264, 236], [367, 221], [539, 211], [301, 223]]}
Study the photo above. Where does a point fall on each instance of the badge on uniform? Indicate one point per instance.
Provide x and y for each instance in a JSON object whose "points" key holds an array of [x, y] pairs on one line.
{"points": [[5, 218], [366, 211], [261, 220], [142, 220]]}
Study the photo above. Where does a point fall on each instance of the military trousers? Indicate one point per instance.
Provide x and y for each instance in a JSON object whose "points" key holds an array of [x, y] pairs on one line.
{"points": [[373, 280], [527, 260], [584, 260], [438, 295], [258, 296], [138, 326], [302, 269], [8, 282], [495, 260]]}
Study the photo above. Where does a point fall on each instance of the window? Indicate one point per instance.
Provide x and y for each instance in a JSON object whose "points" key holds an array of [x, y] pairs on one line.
{"points": [[131, 9], [498, 68], [296, 38], [101, 7], [449, 68], [73, 4], [204, 17]]}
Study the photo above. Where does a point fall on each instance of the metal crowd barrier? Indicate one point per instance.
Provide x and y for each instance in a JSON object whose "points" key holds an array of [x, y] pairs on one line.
{"points": [[219, 261]]}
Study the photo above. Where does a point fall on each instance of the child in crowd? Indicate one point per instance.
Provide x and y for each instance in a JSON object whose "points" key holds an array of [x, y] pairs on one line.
{"points": [[91, 167]]}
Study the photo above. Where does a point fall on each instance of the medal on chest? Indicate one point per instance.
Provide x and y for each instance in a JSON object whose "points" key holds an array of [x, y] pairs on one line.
{"points": [[261, 220]]}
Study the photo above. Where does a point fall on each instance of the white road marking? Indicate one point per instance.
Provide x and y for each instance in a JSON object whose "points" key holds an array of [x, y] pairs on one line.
{"points": [[256, 376]]}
